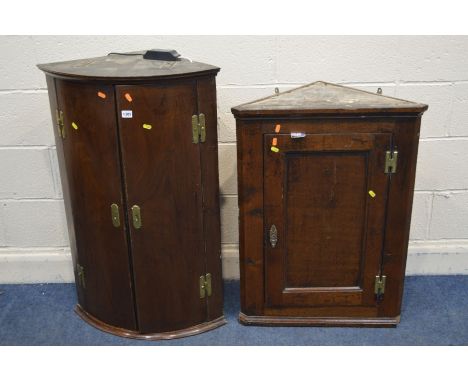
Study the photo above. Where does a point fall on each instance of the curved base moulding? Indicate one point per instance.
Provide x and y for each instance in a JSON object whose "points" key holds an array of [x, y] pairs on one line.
{"points": [[376, 322], [191, 331]]}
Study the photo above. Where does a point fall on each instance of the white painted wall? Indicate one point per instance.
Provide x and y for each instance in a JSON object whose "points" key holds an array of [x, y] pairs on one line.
{"points": [[432, 70]]}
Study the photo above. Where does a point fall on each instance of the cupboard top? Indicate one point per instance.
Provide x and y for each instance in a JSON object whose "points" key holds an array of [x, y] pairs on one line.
{"points": [[126, 66], [325, 98]]}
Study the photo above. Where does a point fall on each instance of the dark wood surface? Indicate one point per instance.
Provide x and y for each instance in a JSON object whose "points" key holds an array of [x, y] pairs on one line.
{"points": [[91, 163], [325, 98], [250, 198], [141, 282], [53, 102], [132, 67], [126, 333], [401, 192], [375, 322], [334, 238], [206, 93], [163, 177], [329, 227]]}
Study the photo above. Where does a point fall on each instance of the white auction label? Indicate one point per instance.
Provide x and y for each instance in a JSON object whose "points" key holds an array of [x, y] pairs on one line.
{"points": [[127, 114]]}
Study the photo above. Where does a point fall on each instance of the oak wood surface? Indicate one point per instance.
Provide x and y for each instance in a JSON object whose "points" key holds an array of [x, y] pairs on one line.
{"points": [[140, 282], [269, 277], [401, 193], [126, 67], [126, 333], [53, 102], [250, 199], [206, 94], [163, 177], [325, 98], [330, 229], [91, 160], [376, 322]]}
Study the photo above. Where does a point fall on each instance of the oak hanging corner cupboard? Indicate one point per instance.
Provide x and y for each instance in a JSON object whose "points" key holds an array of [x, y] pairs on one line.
{"points": [[326, 179], [136, 142]]}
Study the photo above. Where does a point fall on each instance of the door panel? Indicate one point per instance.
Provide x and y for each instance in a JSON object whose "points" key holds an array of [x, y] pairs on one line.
{"points": [[162, 174], [90, 152], [329, 228], [317, 187]]}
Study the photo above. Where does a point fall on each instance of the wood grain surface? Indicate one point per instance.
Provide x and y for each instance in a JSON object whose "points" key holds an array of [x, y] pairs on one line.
{"points": [[334, 237]]}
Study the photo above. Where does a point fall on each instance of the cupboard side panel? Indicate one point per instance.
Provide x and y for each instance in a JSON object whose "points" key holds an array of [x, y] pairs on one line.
{"points": [[251, 235], [406, 141], [206, 88], [63, 179]]}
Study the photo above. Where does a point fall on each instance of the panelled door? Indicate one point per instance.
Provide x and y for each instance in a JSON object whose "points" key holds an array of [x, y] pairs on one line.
{"points": [[325, 199], [162, 174], [90, 148]]}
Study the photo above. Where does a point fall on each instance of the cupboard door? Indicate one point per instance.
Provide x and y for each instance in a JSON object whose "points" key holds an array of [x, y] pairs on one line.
{"points": [[325, 194], [90, 151], [162, 174]]}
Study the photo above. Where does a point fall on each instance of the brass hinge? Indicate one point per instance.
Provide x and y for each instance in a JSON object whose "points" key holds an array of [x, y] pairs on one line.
{"points": [[60, 124], [136, 217], [115, 215], [391, 158], [273, 236], [198, 128], [81, 275], [205, 285], [379, 288]]}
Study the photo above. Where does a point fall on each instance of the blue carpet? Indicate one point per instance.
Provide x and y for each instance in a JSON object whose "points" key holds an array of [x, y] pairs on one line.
{"points": [[435, 312]]}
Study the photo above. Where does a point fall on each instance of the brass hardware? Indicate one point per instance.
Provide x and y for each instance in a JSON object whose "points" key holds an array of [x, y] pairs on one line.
{"points": [[195, 129], [202, 127], [60, 124], [273, 236], [202, 287], [208, 284], [391, 158], [205, 285], [81, 275], [379, 288], [136, 217], [115, 215], [198, 128]]}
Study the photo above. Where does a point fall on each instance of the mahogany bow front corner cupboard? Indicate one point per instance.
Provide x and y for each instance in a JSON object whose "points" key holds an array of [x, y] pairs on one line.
{"points": [[326, 178], [137, 148]]}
